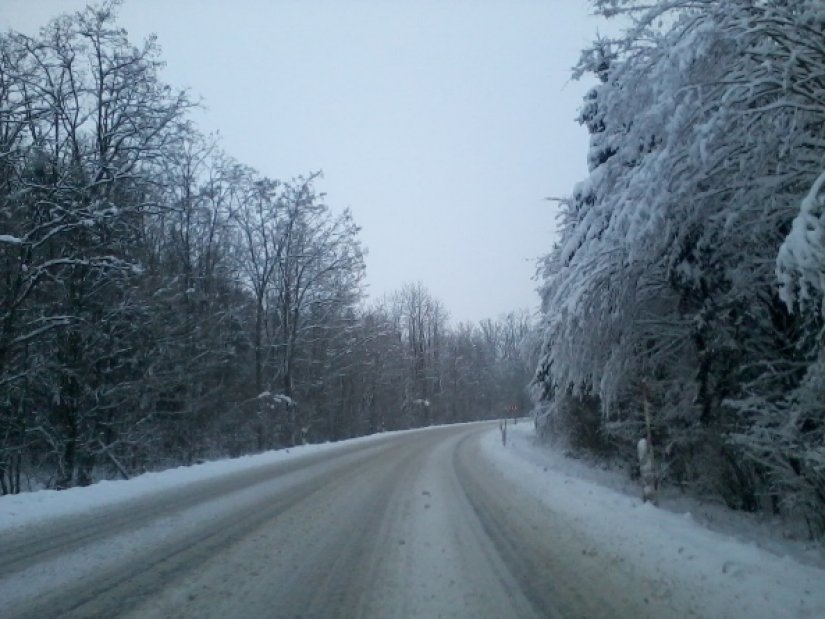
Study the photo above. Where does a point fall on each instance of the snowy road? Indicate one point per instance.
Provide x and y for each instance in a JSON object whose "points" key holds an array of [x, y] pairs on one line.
{"points": [[414, 525], [430, 523]]}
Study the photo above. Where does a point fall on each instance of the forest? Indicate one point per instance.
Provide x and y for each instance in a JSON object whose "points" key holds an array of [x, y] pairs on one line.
{"points": [[162, 303], [684, 302]]}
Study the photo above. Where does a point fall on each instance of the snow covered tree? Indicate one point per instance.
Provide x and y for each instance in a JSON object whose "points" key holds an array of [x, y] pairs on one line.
{"points": [[420, 319], [161, 303], [304, 265], [97, 119], [705, 134]]}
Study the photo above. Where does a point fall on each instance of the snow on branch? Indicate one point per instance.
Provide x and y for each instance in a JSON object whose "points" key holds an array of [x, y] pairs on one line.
{"points": [[276, 398], [10, 240], [800, 264]]}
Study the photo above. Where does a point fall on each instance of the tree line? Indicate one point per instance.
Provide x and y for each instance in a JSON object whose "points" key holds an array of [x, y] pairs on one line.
{"points": [[161, 302], [689, 271]]}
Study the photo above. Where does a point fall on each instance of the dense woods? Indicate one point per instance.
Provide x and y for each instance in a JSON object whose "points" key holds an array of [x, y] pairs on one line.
{"points": [[161, 302], [690, 271]]}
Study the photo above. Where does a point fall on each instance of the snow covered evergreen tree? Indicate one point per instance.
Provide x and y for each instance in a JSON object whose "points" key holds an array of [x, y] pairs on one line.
{"points": [[706, 134]]}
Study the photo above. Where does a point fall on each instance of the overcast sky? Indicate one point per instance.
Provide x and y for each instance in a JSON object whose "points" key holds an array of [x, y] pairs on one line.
{"points": [[442, 124]]}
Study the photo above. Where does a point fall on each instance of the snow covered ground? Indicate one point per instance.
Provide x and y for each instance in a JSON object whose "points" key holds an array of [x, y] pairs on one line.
{"points": [[724, 563]]}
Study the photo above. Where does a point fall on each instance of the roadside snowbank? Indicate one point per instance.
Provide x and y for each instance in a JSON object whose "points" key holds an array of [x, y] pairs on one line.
{"points": [[27, 508], [722, 575]]}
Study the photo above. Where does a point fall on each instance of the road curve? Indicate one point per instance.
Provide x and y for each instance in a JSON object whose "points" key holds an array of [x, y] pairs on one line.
{"points": [[412, 525]]}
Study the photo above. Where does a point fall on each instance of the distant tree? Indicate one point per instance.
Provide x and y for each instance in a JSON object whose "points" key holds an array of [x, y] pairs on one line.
{"points": [[420, 319], [304, 265], [319, 285]]}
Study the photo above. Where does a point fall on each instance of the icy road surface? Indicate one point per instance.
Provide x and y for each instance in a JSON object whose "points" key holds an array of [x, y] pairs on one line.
{"points": [[431, 523]]}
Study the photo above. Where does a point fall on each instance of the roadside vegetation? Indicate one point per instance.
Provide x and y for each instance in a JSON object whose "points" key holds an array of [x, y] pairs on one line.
{"points": [[161, 302], [689, 279]]}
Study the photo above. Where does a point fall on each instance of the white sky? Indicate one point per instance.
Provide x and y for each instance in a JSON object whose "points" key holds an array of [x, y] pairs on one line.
{"points": [[442, 124]]}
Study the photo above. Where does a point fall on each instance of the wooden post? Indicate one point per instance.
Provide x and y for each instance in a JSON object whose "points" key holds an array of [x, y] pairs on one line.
{"points": [[646, 452]]}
